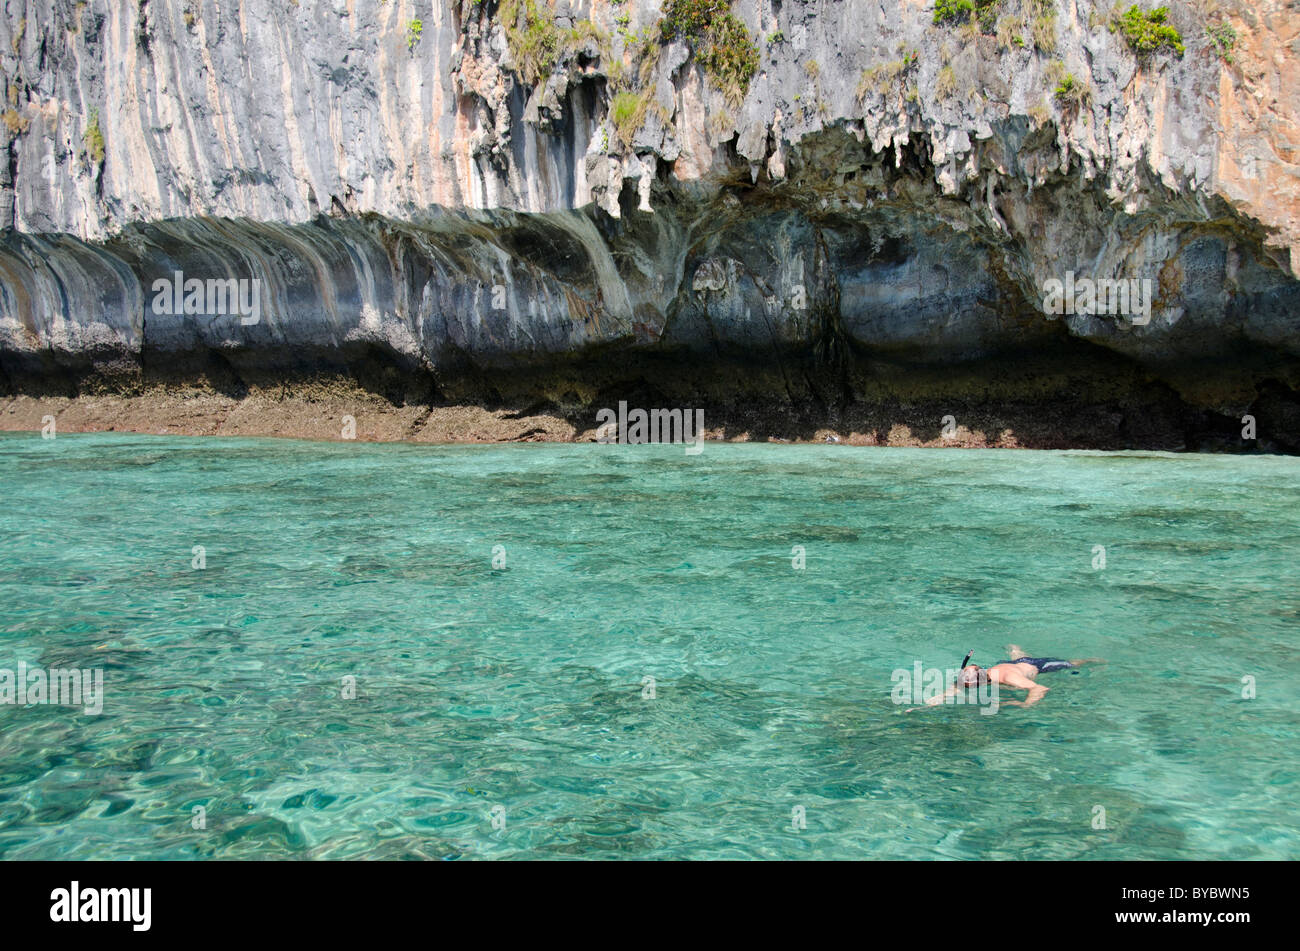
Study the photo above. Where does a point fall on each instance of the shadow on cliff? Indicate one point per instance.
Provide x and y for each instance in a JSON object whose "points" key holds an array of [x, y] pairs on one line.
{"points": [[1077, 396]]}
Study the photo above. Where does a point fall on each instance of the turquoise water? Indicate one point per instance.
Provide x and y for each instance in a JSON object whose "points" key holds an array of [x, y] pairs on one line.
{"points": [[523, 687]]}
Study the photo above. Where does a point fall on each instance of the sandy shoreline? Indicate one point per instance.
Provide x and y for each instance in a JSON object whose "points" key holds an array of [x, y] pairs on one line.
{"points": [[323, 413]]}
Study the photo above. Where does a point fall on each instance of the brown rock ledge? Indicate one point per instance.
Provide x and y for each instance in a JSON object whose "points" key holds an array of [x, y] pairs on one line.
{"points": [[321, 410]]}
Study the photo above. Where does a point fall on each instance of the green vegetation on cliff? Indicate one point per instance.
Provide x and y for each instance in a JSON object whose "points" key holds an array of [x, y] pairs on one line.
{"points": [[628, 110], [985, 12], [1070, 92], [93, 139], [536, 43], [722, 44], [1147, 31], [1224, 38]]}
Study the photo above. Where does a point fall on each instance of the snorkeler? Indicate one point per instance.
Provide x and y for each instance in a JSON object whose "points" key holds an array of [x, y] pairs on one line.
{"points": [[1018, 673]]}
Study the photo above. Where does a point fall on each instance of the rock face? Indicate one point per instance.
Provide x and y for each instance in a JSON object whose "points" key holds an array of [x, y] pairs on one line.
{"points": [[560, 205]]}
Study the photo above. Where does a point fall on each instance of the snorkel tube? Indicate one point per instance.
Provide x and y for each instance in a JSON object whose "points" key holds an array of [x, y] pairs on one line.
{"points": [[964, 664]]}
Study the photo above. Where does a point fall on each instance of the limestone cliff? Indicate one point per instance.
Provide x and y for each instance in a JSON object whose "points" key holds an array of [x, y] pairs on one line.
{"points": [[821, 207]]}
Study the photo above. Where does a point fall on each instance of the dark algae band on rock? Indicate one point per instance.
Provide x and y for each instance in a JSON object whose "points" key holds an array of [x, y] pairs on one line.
{"points": [[536, 210]]}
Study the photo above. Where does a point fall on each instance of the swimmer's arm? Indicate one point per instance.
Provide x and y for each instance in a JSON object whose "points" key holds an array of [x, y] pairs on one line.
{"points": [[1019, 682], [935, 701]]}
